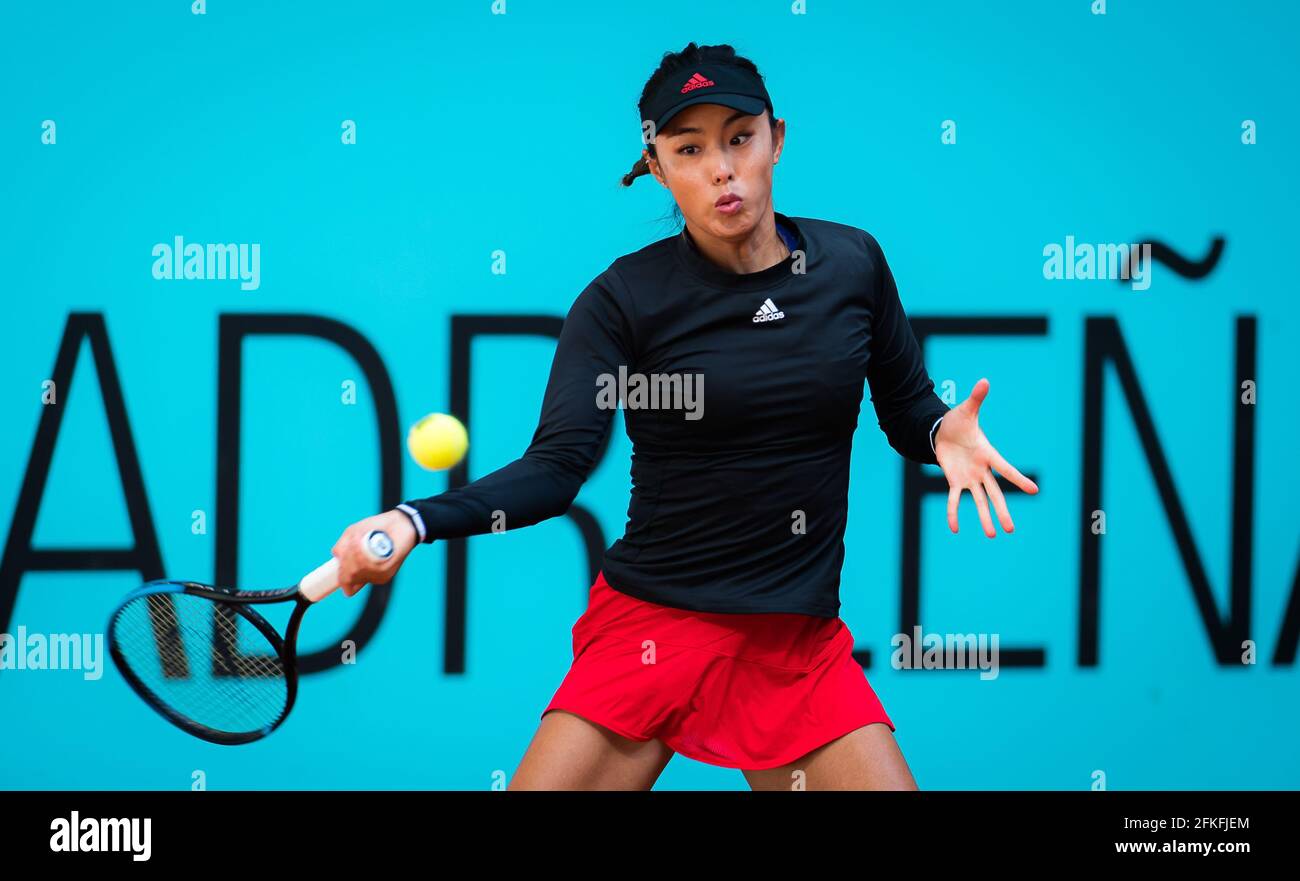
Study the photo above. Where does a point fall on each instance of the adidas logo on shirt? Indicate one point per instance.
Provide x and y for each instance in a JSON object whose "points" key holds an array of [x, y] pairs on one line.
{"points": [[768, 312]]}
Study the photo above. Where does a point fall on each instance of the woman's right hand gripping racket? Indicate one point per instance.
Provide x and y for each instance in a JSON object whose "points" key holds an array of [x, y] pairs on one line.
{"points": [[178, 644]]}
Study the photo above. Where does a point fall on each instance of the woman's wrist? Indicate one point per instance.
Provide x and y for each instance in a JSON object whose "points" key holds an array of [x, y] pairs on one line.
{"points": [[403, 531], [934, 433], [413, 517]]}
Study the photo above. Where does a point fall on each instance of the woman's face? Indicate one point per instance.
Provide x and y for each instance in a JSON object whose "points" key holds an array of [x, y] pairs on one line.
{"points": [[709, 151]]}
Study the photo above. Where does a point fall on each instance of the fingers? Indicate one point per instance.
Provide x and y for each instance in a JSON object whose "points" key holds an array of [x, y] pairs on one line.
{"points": [[345, 541], [349, 581], [982, 491], [354, 580], [345, 551], [999, 502], [982, 503], [977, 395], [1007, 470], [357, 567], [354, 576]]}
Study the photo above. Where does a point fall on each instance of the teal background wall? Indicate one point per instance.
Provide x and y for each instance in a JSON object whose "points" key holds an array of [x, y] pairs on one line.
{"points": [[478, 132]]}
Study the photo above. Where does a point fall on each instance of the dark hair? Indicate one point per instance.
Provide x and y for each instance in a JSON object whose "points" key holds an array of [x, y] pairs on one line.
{"points": [[673, 63]]}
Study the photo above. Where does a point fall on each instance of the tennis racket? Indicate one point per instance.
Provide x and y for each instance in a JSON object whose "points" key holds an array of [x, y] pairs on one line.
{"points": [[207, 661]]}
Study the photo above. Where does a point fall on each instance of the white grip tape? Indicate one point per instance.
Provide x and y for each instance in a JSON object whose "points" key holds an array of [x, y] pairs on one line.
{"points": [[321, 581], [324, 579]]}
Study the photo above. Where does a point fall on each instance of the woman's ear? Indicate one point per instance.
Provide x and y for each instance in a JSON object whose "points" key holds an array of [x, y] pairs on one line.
{"points": [[653, 165]]}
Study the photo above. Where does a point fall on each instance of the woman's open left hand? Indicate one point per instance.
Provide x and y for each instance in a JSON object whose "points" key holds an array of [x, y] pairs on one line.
{"points": [[968, 459]]}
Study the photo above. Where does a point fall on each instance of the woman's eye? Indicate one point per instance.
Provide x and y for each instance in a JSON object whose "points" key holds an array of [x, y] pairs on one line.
{"points": [[745, 135]]}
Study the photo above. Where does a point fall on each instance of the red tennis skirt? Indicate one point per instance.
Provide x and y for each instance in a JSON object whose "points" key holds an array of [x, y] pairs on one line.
{"points": [[747, 691]]}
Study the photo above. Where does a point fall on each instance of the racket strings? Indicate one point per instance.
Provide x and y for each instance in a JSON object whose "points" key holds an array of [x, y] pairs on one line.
{"points": [[187, 651]]}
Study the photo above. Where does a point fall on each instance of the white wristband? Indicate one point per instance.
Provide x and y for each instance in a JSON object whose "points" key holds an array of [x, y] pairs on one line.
{"points": [[932, 432], [416, 519]]}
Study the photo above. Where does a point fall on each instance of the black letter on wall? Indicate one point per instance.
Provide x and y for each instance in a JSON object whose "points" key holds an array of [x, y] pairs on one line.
{"points": [[1102, 343], [19, 556], [233, 328], [464, 328]]}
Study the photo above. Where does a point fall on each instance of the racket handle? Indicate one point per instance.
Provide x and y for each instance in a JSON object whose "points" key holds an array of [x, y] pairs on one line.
{"points": [[324, 579]]}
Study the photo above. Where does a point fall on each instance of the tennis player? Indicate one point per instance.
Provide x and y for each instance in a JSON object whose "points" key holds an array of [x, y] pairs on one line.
{"points": [[712, 629]]}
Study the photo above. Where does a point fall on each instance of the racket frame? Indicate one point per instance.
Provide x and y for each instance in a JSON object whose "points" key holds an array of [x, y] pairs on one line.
{"points": [[242, 603], [315, 586]]}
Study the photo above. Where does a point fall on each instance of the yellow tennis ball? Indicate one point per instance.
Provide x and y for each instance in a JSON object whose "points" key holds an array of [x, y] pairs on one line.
{"points": [[437, 442]]}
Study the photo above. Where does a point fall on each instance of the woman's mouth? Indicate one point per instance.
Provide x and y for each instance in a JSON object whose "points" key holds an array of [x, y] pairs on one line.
{"points": [[729, 203]]}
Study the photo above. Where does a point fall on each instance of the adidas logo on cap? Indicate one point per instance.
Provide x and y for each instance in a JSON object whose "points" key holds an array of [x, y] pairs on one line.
{"points": [[768, 312], [696, 82]]}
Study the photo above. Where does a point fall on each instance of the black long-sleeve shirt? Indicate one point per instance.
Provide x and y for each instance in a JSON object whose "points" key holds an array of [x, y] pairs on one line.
{"points": [[739, 494]]}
